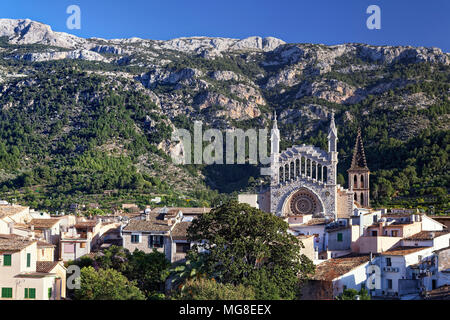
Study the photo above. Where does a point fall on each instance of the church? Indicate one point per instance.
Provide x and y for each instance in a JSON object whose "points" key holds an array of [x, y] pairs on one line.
{"points": [[304, 180]]}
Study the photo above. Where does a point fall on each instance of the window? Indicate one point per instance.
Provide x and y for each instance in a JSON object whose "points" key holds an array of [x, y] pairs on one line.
{"points": [[375, 218], [155, 241], [374, 233], [183, 247], [7, 260], [394, 233], [388, 262], [339, 237], [82, 245], [135, 238], [49, 293], [28, 260], [389, 283], [69, 248], [7, 293], [30, 293]]}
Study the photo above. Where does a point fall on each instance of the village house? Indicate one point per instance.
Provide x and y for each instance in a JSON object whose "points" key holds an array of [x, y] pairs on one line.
{"points": [[335, 275], [161, 229], [22, 276]]}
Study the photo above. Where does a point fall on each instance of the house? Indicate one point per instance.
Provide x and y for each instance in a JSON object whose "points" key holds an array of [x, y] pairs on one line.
{"points": [[46, 251], [316, 227], [162, 229], [77, 241], [335, 275], [11, 214], [397, 271], [20, 276], [49, 228], [308, 244], [436, 239]]}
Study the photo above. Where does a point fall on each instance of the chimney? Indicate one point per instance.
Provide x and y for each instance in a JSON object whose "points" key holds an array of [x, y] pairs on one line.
{"points": [[11, 227], [147, 216]]}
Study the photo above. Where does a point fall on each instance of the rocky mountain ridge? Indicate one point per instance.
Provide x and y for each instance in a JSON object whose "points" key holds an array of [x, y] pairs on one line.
{"points": [[394, 92]]}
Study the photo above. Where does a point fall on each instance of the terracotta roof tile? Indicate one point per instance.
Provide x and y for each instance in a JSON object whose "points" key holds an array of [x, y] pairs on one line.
{"points": [[179, 231], [44, 223], [45, 266], [427, 235], [13, 243], [336, 267], [401, 251], [8, 209]]}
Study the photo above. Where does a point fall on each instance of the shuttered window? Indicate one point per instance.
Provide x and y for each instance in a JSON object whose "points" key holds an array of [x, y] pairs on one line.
{"points": [[7, 260], [28, 260], [49, 293], [339, 237], [6, 292], [30, 293]]}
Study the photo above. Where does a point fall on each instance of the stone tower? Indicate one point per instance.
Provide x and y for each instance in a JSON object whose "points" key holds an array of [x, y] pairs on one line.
{"points": [[358, 174], [275, 150]]}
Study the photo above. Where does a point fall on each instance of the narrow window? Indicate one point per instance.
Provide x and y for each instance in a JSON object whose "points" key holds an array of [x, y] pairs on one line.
{"points": [[28, 260], [339, 237], [389, 281], [7, 260], [388, 262], [49, 293]]}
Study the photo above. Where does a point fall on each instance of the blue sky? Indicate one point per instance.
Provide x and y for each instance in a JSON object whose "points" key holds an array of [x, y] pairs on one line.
{"points": [[403, 22]]}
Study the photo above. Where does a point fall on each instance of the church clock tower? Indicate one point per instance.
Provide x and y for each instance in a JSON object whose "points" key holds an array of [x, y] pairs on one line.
{"points": [[358, 174]]}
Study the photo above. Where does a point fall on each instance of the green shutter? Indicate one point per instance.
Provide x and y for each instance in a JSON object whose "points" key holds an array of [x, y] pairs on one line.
{"points": [[339, 237], [7, 260], [49, 293], [28, 260], [26, 293], [32, 293], [6, 292]]}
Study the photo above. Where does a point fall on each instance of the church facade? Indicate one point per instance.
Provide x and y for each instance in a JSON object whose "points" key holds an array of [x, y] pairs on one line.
{"points": [[304, 180]]}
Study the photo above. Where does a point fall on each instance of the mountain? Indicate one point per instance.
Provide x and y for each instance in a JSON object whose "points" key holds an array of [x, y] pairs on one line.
{"points": [[90, 120]]}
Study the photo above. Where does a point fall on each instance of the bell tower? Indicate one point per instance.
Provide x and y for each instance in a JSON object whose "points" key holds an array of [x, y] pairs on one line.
{"points": [[358, 174]]}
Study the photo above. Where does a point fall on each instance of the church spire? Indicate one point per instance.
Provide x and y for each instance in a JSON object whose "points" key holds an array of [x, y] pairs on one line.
{"points": [[332, 135], [359, 157], [275, 136]]}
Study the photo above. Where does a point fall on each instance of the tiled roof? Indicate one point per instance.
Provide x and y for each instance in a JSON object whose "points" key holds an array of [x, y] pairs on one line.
{"points": [[179, 231], [44, 223], [45, 266], [442, 293], [86, 224], [13, 243], [43, 244], [316, 221], [151, 225], [427, 235], [336, 267], [8, 209], [187, 211], [401, 251]]}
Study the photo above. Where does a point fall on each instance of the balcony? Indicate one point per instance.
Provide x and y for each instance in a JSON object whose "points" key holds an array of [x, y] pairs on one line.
{"points": [[390, 269]]}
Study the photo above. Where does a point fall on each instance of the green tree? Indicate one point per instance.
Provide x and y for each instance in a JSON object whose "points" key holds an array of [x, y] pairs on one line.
{"points": [[210, 289], [149, 270], [352, 294], [245, 244], [106, 284]]}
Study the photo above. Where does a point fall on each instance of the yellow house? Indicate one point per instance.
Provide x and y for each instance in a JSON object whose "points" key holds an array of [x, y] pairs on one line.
{"points": [[22, 277]]}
